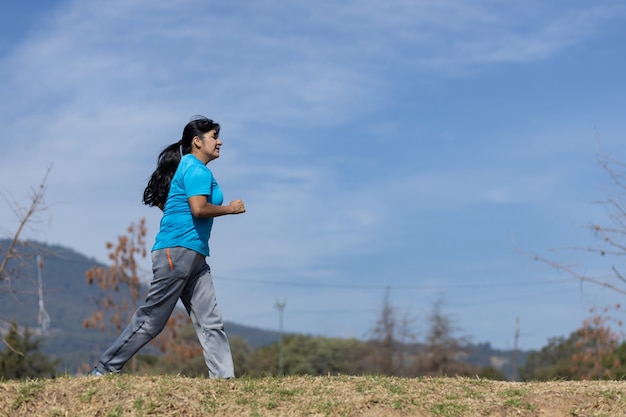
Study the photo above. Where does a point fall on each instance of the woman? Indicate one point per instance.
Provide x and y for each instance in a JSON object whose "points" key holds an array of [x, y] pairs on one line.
{"points": [[185, 189]]}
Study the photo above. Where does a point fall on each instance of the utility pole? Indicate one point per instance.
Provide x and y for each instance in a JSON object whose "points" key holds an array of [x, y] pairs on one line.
{"points": [[43, 317], [280, 307], [514, 361]]}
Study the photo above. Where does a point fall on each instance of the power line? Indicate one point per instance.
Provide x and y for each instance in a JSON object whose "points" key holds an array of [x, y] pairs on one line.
{"points": [[499, 284], [398, 287], [374, 310]]}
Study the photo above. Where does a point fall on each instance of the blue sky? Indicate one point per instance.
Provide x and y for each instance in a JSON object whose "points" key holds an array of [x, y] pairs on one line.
{"points": [[404, 144]]}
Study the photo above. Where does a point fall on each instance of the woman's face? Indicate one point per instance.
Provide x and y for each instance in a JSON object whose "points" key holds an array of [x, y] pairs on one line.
{"points": [[208, 146]]}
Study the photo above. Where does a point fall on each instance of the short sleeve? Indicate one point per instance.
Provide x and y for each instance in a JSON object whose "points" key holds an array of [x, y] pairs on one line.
{"points": [[198, 181]]}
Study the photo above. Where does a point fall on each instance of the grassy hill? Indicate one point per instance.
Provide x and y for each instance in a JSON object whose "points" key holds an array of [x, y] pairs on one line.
{"points": [[124, 395]]}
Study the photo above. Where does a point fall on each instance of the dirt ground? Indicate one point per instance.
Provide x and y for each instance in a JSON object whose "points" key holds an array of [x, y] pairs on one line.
{"points": [[123, 395]]}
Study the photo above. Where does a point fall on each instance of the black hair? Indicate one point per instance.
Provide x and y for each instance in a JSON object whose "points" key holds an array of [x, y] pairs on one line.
{"points": [[158, 186]]}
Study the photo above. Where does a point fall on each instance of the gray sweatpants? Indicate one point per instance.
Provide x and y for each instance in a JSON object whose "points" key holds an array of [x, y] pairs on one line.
{"points": [[178, 273]]}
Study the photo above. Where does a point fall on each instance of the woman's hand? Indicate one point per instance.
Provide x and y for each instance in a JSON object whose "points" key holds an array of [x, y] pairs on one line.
{"points": [[237, 206]]}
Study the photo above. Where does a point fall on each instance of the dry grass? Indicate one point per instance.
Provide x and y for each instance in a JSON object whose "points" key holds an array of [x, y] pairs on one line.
{"points": [[124, 395]]}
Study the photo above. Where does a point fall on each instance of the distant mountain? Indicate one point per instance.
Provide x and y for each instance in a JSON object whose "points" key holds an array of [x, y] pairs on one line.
{"points": [[68, 299]]}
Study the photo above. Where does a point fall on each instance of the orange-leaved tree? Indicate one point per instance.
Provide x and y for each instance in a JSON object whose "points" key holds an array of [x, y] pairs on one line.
{"points": [[124, 273], [597, 347]]}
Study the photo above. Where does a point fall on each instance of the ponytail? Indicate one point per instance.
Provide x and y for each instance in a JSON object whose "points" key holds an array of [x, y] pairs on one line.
{"points": [[155, 194], [158, 186]]}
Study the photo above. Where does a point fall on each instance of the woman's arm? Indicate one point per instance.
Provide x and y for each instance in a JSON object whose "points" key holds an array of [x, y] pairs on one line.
{"points": [[200, 207]]}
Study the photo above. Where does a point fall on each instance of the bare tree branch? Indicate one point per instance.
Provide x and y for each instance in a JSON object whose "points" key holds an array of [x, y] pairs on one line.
{"points": [[611, 236], [25, 216], [584, 278]]}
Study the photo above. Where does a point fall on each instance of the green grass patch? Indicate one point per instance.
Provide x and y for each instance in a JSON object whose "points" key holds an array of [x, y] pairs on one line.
{"points": [[88, 395], [28, 392], [448, 409], [115, 412], [515, 399]]}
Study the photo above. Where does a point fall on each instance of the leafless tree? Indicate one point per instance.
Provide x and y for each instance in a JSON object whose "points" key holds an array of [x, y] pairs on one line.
{"points": [[384, 337], [610, 243], [443, 351], [12, 255], [391, 338]]}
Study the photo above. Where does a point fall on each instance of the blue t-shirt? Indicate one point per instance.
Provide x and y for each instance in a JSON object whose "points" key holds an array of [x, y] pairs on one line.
{"points": [[178, 226]]}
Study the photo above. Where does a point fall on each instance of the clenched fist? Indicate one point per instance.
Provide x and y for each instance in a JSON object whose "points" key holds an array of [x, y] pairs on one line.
{"points": [[237, 206]]}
